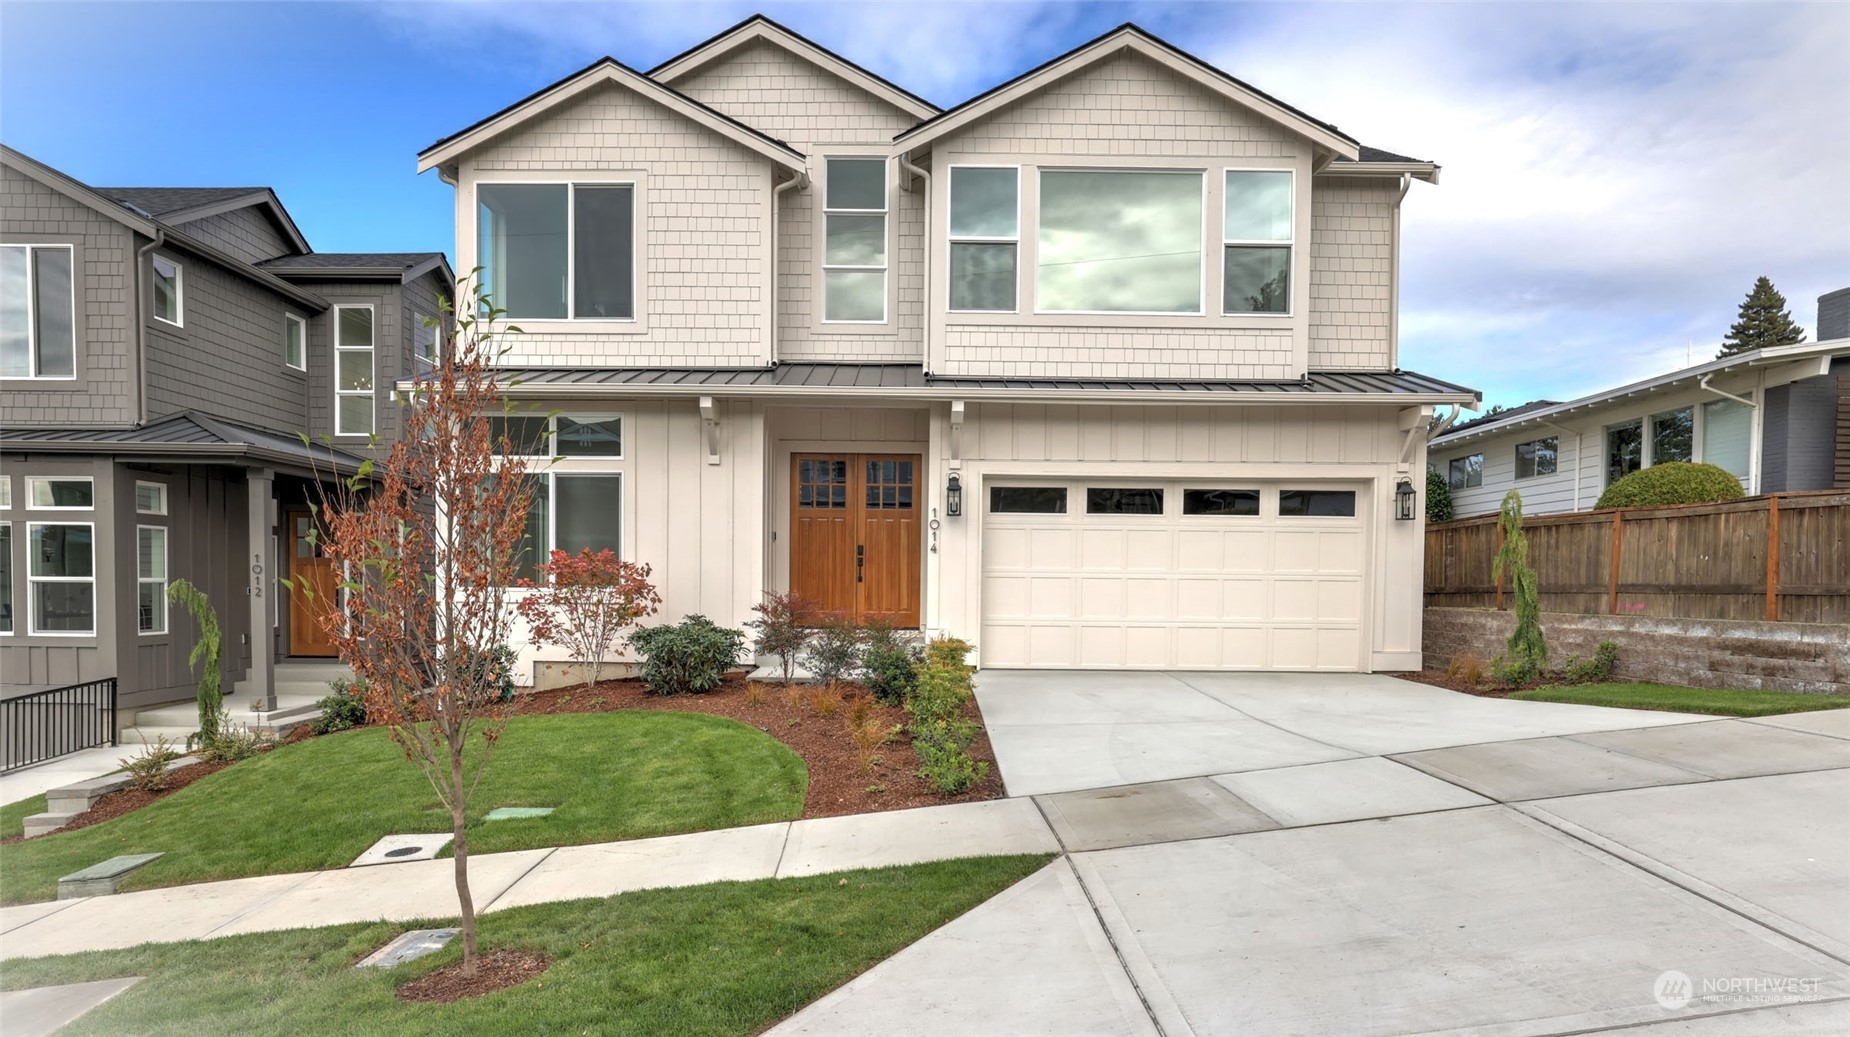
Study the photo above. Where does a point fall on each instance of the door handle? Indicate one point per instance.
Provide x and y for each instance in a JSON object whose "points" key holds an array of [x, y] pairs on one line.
{"points": [[860, 561]]}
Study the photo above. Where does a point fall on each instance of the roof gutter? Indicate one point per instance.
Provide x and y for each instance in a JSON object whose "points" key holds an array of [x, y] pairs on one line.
{"points": [[141, 324], [583, 390], [1703, 384]]}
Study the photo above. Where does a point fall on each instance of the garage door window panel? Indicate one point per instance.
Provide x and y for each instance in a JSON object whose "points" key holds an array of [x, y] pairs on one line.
{"points": [[1220, 502], [1316, 503], [1124, 501], [1027, 500]]}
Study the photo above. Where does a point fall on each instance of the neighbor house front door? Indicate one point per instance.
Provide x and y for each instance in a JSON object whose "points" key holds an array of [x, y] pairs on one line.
{"points": [[854, 537], [309, 569]]}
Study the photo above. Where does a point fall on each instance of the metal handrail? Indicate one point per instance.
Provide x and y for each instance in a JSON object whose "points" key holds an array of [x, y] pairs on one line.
{"points": [[44, 725]]}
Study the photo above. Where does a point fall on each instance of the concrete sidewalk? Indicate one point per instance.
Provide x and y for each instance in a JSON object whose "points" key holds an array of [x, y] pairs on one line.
{"points": [[78, 766], [425, 889]]}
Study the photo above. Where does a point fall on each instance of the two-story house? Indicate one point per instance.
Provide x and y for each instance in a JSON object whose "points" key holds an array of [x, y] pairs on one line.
{"points": [[163, 352], [1097, 368]]}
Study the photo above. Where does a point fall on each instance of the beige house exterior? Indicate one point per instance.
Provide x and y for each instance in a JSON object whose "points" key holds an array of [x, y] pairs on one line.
{"points": [[1098, 368]]}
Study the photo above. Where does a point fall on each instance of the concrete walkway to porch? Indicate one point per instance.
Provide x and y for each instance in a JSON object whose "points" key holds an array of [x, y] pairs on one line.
{"points": [[73, 767]]}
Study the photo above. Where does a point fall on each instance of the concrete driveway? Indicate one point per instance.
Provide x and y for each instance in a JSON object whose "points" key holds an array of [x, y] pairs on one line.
{"points": [[1262, 855]]}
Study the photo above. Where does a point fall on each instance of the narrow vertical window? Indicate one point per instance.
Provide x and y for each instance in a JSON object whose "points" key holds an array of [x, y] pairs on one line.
{"points": [[169, 298], [6, 577], [38, 317], [985, 230], [151, 579], [295, 342], [353, 370], [423, 340], [854, 241], [1256, 242]]}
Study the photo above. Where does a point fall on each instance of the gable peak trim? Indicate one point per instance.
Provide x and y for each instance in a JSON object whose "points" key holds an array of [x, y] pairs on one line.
{"points": [[758, 28]]}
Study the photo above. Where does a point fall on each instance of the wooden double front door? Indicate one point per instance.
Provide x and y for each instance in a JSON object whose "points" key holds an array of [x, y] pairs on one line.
{"points": [[854, 535]]}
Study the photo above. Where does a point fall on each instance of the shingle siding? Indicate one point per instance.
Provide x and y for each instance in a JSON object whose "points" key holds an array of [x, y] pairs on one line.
{"points": [[246, 233], [776, 92], [104, 392], [1352, 273], [227, 359]]}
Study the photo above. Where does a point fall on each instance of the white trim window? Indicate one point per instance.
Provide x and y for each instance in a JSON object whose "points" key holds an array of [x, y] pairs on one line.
{"points": [[985, 239], [1256, 241], [169, 291], [1728, 436], [1538, 457], [6, 577], [295, 341], [1120, 241], [558, 251], [1673, 435], [6, 492], [38, 312], [854, 246], [355, 335], [1465, 472], [61, 578], [151, 579], [150, 498], [425, 334], [578, 499], [60, 493]]}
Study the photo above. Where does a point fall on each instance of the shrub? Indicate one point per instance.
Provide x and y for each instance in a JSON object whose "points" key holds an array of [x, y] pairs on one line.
{"points": [[1466, 667], [689, 657], [147, 770], [1528, 649], [206, 651], [825, 701], [1673, 482], [345, 708], [835, 653], [779, 629], [583, 602], [947, 769], [234, 742], [1593, 671], [949, 652], [1438, 498], [939, 695], [492, 669], [891, 664]]}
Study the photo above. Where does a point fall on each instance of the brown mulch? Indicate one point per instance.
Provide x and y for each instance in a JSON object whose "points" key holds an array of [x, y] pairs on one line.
{"points": [[1440, 679], [497, 970], [838, 781]]}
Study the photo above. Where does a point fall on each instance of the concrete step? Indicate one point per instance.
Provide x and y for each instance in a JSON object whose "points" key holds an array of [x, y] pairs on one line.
{"points": [[47, 823], [133, 738]]}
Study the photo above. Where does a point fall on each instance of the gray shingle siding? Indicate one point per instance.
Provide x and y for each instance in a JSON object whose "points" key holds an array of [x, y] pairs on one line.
{"points": [[246, 233], [104, 392], [228, 358], [1799, 438]]}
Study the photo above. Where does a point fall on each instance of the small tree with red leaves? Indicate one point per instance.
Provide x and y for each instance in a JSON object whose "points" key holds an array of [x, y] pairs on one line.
{"points": [[779, 629], [582, 602], [429, 541]]}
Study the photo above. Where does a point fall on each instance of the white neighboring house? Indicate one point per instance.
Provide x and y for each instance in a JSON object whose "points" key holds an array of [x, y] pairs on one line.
{"points": [[1771, 416], [1096, 369]]}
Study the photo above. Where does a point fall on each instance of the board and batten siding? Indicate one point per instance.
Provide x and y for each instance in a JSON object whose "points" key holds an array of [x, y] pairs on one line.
{"points": [[1124, 111], [703, 232], [105, 391], [1354, 444]]}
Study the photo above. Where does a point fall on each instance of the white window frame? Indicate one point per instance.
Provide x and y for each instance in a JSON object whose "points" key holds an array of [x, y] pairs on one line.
{"points": [[32, 583], [637, 216], [554, 464], [952, 239], [6, 492], [160, 486], [886, 229], [32, 314], [179, 289], [291, 320], [140, 581], [33, 480], [1516, 458], [372, 394], [418, 329], [1201, 265], [1466, 483], [1290, 245], [1695, 432]]}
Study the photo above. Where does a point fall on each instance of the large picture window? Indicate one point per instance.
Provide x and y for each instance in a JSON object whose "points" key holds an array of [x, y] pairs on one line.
{"points": [[854, 231], [61, 575], [578, 498], [985, 228], [558, 251], [353, 370], [1727, 436], [1119, 241], [38, 316], [1256, 242]]}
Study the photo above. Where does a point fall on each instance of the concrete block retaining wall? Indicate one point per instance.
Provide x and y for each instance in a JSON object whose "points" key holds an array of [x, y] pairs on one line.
{"points": [[1702, 653]]}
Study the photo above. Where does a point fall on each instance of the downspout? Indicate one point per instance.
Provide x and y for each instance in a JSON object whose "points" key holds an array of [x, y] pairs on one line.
{"points": [[777, 213], [1406, 184], [906, 165], [141, 327]]}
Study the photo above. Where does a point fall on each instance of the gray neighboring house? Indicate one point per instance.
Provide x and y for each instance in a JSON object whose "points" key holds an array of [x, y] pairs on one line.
{"points": [[162, 353], [1778, 418]]}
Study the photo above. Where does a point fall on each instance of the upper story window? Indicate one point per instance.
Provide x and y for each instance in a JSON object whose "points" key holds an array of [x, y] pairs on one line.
{"points": [[985, 231], [38, 314], [295, 342], [1119, 241], [1537, 457], [559, 251], [424, 333], [1256, 241], [150, 498], [169, 297], [353, 370], [854, 261]]}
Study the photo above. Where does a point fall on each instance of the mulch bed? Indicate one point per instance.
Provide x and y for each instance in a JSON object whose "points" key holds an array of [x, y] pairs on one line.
{"points": [[838, 781], [1439, 679], [496, 970]]}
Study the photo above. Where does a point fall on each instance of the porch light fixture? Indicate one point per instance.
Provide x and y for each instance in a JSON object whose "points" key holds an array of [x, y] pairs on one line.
{"points": [[953, 497], [1403, 500]]}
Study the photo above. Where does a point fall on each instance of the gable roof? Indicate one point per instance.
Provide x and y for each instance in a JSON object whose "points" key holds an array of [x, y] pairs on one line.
{"points": [[1130, 37], [178, 206], [758, 27], [609, 70]]}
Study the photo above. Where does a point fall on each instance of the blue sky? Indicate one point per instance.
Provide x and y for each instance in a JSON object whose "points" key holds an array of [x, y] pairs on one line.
{"points": [[1615, 176]]}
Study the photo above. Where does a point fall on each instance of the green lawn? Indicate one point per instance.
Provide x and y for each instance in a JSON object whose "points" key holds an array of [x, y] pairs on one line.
{"points": [[724, 959], [1675, 699], [317, 804], [13, 815]]}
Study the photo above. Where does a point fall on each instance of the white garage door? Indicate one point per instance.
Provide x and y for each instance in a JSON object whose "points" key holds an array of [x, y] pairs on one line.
{"points": [[1190, 575]]}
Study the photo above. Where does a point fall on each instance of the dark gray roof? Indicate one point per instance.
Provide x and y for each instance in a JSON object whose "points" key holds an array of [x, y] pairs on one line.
{"points": [[1504, 415], [162, 201], [1378, 155], [908, 376], [348, 260], [188, 433]]}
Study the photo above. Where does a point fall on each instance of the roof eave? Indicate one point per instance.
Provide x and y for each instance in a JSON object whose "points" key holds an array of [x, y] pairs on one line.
{"points": [[187, 243], [266, 198], [1427, 171], [77, 191]]}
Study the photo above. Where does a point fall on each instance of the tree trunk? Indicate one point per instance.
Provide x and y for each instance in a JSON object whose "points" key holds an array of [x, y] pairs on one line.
{"points": [[461, 843]]}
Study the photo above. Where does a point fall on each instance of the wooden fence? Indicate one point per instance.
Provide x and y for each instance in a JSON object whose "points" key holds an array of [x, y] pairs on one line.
{"points": [[1780, 557]]}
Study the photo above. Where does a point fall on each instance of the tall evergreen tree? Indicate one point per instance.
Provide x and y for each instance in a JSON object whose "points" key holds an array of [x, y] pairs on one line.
{"points": [[1764, 322]]}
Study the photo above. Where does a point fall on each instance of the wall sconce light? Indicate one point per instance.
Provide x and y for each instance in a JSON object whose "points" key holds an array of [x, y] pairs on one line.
{"points": [[1403, 500], [953, 497]]}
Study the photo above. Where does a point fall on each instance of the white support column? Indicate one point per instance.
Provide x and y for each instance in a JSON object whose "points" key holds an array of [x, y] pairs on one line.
{"points": [[262, 518]]}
